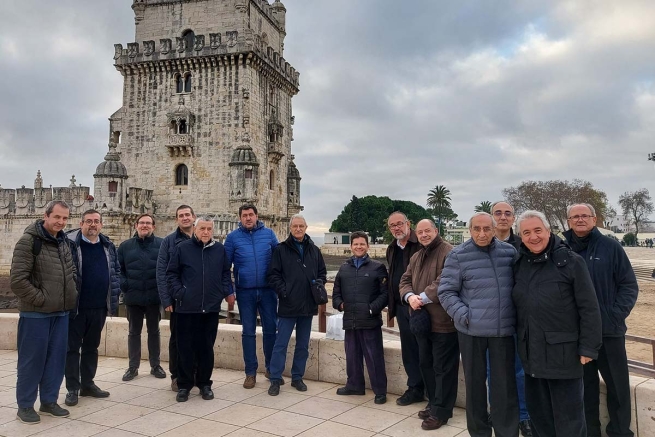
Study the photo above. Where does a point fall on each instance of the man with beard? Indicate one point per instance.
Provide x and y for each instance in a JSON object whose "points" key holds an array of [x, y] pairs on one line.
{"points": [[438, 349], [399, 252]]}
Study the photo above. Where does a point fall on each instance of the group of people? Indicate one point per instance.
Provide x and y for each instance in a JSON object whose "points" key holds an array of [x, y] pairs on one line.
{"points": [[534, 317]]}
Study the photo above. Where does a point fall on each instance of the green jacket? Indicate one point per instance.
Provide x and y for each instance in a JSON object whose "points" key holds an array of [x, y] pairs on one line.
{"points": [[44, 283]]}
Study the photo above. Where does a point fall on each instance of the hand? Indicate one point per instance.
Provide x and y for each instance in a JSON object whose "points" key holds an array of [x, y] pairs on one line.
{"points": [[230, 299], [585, 360], [415, 302], [341, 307], [169, 308]]}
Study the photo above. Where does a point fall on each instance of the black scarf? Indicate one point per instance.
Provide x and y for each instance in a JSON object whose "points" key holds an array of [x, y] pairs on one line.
{"points": [[579, 244]]}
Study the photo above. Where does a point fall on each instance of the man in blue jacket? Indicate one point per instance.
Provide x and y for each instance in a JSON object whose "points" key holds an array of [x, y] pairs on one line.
{"points": [[185, 217], [198, 276], [97, 265], [616, 289], [249, 248]]}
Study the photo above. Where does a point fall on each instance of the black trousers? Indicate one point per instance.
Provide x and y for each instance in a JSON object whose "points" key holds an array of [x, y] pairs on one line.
{"points": [[172, 345], [135, 315], [365, 345], [409, 350], [84, 332], [556, 407], [439, 362], [612, 363], [504, 396], [196, 335]]}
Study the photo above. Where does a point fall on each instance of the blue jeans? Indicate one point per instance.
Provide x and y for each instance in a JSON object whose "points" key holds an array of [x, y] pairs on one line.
{"points": [[252, 301], [520, 384], [42, 346], [301, 352]]}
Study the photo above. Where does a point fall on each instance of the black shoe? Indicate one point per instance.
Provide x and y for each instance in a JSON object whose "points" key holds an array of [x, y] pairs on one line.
{"points": [[410, 397], [380, 399], [526, 430], [182, 395], [267, 375], [274, 389], [345, 391], [158, 372], [130, 373], [93, 391], [52, 409], [206, 393], [299, 385], [28, 415], [71, 398]]}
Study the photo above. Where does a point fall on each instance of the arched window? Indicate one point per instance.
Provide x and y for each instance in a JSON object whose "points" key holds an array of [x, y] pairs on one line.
{"points": [[182, 127], [179, 83], [189, 37], [248, 173], [187, 83], [181, 175], [271, 180]]}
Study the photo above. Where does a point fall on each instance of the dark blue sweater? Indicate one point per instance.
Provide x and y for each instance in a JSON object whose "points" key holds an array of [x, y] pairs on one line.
{"points": [[95, 276]]}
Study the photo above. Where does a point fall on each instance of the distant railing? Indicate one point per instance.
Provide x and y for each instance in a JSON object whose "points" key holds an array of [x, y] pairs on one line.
{"points": [[641, 368]]}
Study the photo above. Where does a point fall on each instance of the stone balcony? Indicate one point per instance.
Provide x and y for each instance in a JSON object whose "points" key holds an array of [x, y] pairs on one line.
{"points": [[275, 151], [179, 145]]}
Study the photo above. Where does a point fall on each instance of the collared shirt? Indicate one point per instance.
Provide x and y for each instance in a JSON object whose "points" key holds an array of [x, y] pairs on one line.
{"points": [[89, 241]]}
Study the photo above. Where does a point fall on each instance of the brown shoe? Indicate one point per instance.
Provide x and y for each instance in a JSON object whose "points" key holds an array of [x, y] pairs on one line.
{"points": [[432, 423], [250, 381], [424, 413]]}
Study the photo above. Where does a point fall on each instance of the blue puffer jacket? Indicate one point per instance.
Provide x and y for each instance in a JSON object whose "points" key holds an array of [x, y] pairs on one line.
{"points": [[112, 262], [250, 251], [476, 289]]}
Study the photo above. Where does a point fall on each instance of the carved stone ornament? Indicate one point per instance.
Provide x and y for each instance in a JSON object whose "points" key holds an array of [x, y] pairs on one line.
{"points": [[245, 137], [165, 45], [232, 38], [180, 44], [148, 47], [199, 42], [118, 50], [132, 49], [214, 40], [246, 93]]}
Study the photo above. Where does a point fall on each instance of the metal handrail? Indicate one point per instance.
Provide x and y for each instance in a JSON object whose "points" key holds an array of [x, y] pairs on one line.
{"points": [[640, 367]]}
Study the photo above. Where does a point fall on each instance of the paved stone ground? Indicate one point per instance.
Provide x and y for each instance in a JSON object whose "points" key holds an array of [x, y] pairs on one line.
{"points": [[146, 406]]}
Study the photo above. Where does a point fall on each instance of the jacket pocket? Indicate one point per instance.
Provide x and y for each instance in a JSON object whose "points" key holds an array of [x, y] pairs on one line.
{"points": [[561, 348]]}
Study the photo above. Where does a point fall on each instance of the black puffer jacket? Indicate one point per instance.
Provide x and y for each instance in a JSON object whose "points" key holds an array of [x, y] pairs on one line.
{"points": [[45, 283], [363, 292], [289, 275], [166, 251], [557, 311], [138, 260]]}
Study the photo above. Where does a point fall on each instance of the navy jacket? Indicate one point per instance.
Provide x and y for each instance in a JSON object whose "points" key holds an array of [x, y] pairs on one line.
{"points": [[166, 251], [289, 275], [363, 292], [138, 260], [114, 268], [250, 251], [198, 276], [614, 281]]}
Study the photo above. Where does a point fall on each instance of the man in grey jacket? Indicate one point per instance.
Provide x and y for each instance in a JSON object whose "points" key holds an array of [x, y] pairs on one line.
{"points": [[476, 291]]}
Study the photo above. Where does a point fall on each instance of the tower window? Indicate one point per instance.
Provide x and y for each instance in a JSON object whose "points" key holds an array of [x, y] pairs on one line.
{"points": [[189, 37], [248, 173], [179, 83], [187, 83], [271, 180], [181, 175], [182, 127]]}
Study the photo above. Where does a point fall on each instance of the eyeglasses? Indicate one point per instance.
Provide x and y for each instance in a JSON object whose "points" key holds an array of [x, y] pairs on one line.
{"points": [[478, 229], [584, 217], [505, 213], [144, 223], [92, 222], [397, 225]]}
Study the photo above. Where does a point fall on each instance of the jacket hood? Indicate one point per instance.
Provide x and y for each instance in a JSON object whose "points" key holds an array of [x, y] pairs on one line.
{"points": [[36, 230]]}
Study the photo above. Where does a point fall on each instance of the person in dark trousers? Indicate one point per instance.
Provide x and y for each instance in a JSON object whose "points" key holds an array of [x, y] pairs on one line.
{"points": [[504, 216], [43, 277], [438, 345], [296, 262], [138, 260], [360, 292], [97, 264], [616, 291], [476, 291], [198, 276], [399, 252], [184, 217], [558, 327]]}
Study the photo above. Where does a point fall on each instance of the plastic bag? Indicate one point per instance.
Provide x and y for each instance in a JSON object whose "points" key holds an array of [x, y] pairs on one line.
{"points": [[335, 327]]}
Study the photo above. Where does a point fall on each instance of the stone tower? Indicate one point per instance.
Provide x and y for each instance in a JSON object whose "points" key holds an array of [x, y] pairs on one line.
{"points": [[206, 117]]}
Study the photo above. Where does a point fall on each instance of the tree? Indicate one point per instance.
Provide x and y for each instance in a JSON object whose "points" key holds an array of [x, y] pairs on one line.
{"points": [[439, 202], [636, 207], [484, 206], [629, 239], [552, 198], [370, 214]]}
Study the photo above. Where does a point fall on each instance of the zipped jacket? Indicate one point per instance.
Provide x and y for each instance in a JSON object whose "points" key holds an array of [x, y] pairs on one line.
{"points": [[250, 251], [138, 260], [166, 251], [410, 249]]}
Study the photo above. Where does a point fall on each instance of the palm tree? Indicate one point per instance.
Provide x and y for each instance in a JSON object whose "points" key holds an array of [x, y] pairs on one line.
{"points": [[439, 201], [484, 206]]}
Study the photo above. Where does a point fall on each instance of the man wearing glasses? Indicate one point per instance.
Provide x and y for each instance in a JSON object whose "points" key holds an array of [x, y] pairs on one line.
{"points": [[138, 260], [97, 265], [616, 289], [399, 252]]}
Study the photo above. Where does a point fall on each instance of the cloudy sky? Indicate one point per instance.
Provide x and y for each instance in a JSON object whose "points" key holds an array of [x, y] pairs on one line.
{"points": [[396, 97]]}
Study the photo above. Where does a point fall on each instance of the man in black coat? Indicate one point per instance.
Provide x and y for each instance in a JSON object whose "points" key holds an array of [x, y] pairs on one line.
{"points": [[138, 260], [616, 290], [295, 264], [360, 291], [198, 276], [558, 330], [399, 252]]}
